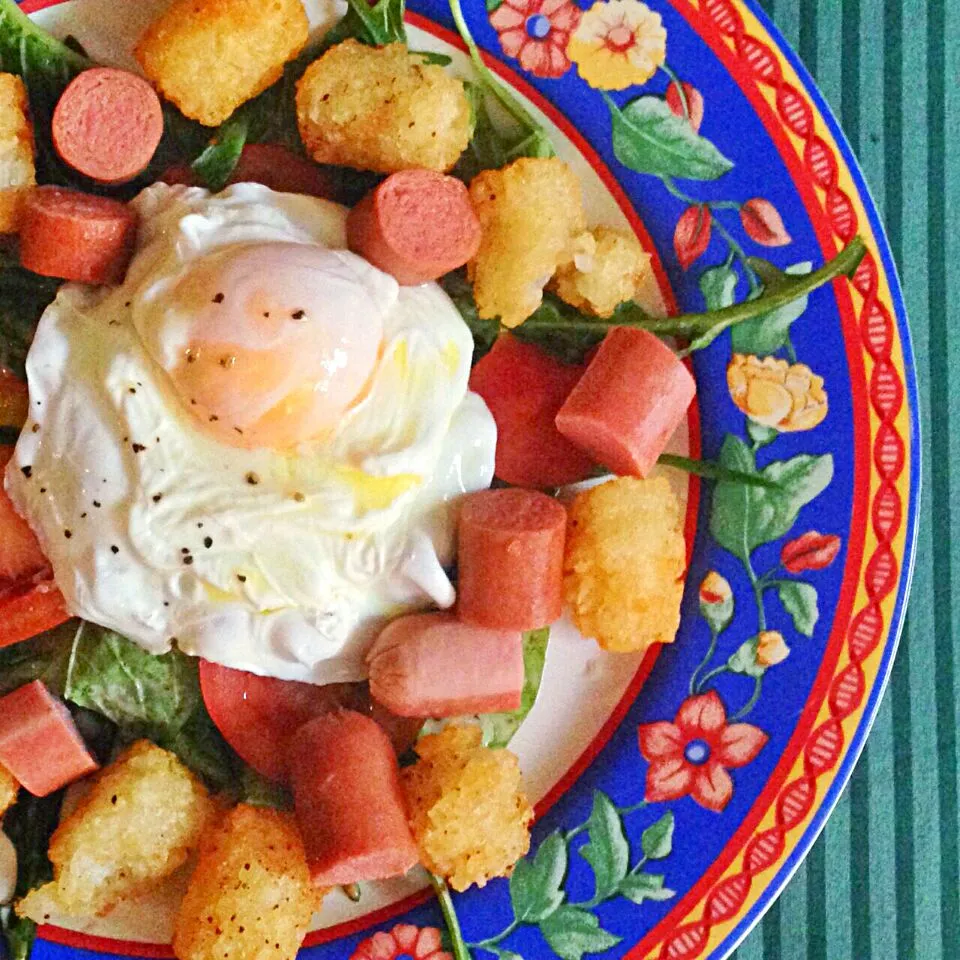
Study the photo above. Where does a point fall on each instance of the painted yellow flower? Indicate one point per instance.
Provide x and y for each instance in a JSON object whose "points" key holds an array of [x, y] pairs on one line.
{"points": [[774, 393], [617, 44], [771, 648]]}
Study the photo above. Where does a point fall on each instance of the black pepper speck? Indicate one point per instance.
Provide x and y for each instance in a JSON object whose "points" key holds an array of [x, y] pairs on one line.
{"points": [[298, 314], [68, 533], [252, 478], [157, 497], [138, 448], [114, 548], [208, 542], [218, 298], [188, 560], [96, 503], [241, 578], [27, 471]]}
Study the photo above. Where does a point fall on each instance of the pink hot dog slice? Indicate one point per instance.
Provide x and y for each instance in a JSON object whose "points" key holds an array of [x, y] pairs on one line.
{"points": [[510, 559], [107, 124], [39, 742], [627, 405], [76, 236], [417, 225], [432, 665], [349, 802]]}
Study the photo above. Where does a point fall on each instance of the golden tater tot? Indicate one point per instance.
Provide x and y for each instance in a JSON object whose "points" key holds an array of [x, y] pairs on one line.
{"points": [[530, 212], [138, 824], [468, 812], [608, 268], [17, 171], [624, 563], [382, 108], [210, 56], [250, 896], [8, 790]]}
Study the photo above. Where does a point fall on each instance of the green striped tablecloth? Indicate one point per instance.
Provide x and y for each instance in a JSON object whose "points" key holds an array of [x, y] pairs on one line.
{"points": [[883, 881]]}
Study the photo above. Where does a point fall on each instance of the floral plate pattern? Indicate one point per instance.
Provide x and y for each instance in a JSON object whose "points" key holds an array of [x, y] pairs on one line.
{"points": [[699, 798]]}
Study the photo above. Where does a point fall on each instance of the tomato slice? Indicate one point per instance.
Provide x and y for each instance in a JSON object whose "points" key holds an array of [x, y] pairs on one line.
{"points": [[31, 610], [258, 716], [272, 165], [524, 388]]}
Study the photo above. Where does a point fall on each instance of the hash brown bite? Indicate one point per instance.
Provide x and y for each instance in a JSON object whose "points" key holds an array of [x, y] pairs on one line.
{"points": [[383, 109], [468, 812], [8, 790], [140, 821], [529, 211], [17, 170], [210, 56], [250, 896], [625, 562], [609, 267]]}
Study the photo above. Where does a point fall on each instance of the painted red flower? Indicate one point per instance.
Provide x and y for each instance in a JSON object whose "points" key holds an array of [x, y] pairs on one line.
{"points": [[811, 551], [403, 941], [690, 756], [536, 33]]}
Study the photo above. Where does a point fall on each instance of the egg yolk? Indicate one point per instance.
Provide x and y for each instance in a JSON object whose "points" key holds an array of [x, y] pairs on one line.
{"points": [[278, 341]]}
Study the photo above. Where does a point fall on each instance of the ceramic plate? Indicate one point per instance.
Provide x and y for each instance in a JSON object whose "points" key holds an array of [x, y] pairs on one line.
{"points": [[677, 794]]}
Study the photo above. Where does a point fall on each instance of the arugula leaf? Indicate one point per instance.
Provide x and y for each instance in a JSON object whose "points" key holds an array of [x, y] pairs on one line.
{"points": [[216, 164], [499, 728], [493, 145], [569, 334], [23, 298], [157, 697], [29, 825], [45, 657]]}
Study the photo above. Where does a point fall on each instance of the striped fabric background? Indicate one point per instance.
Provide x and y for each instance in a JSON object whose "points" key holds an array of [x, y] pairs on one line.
{"points": [[883, 881]]}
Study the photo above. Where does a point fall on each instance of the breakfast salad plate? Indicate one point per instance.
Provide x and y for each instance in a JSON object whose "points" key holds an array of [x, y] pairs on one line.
{"points": [[251, 430]]}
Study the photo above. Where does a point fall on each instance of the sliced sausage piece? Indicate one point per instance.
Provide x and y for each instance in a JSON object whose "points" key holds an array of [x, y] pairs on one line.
{"points": [[76, 236], [39, 742], [107, 124], [628, 404], [432, 665], [417, 225], [270, 164], [510, 559], [349, 802]]}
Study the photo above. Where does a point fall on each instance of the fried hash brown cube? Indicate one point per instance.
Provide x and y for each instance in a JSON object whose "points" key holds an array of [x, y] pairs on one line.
{"points": [[529, 211], [8, 790], [624, 563], [609, 266], [17, 171], [138, 824], [250, 896], [467, 808], [210, 56], [382, 108]]}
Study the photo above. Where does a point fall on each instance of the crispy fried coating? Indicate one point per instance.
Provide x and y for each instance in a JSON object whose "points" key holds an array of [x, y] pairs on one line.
{"points": [[624, 563], [467, 808], [210, 56], [138, 824], [608, 267], [8, 790], [17, 171], [250, 896], [382, 108], [530, 211]]}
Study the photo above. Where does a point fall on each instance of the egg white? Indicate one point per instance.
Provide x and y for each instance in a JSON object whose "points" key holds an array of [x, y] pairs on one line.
{"points": [[283, 563]]}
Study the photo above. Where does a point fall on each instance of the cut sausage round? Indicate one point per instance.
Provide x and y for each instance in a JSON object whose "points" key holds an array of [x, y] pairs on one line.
{"points": [[510, 559], [417, 225], [76, 236], [349, 802], [107, 124], [628, 404], [433, 665]]}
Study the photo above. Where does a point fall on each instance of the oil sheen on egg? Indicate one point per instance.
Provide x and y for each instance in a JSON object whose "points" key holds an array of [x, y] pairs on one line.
{"points": [[255, 446]]}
